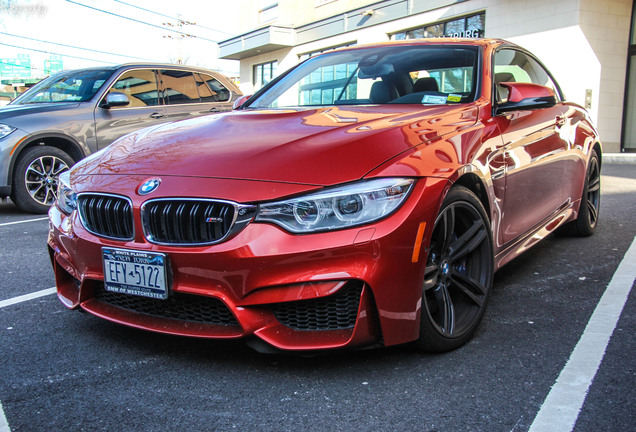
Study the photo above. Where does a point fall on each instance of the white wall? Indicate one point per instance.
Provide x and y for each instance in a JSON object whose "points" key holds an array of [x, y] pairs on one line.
{"points": [[606, 26]]}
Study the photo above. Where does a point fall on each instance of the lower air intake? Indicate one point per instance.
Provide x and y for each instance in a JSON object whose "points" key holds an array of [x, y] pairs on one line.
{"points": [[335, 312], [180, 307]]}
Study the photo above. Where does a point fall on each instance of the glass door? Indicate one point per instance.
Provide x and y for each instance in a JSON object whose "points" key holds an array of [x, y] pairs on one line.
{"points": [[629, 113]]}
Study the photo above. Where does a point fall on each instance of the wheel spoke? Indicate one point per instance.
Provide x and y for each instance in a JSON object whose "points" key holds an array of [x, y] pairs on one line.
{"points": [[448, 310], [593, 211], [448, 230], [46, 197], [472, 288], [32, 168], [594, 185], [431, 273], [41, 161], [467, 242], [36, 191], [62, 167]]}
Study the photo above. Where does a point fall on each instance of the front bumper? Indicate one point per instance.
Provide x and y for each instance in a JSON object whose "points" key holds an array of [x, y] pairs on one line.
{"points": [[348, 288], [8, 146]]}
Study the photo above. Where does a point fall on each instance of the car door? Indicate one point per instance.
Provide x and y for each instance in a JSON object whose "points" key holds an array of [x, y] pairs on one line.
{"points": [[190, 94], [534, 152], [144, 106]]}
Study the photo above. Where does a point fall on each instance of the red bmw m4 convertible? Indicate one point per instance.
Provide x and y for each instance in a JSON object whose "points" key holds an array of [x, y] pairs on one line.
{"points": [[363, 198]]}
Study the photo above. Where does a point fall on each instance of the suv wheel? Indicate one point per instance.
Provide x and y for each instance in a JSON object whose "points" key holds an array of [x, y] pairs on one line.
{"points": [[35, 178]]}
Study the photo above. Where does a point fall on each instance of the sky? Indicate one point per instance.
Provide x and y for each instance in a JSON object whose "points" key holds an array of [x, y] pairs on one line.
{"points": [[120, 31]]}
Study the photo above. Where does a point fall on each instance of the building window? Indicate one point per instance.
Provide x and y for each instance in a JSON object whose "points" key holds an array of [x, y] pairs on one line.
{"points": [[263, 73], [326, 83], [471, 27], [267, 11]]}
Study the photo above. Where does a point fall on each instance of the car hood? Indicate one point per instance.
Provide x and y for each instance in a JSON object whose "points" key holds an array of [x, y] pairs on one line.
{"points": [[321, 147], [14, 110]]}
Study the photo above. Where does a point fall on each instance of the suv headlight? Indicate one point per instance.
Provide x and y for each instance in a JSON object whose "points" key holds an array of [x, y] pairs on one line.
{"points": [[340, 207], [66, 197], [5, 130]]}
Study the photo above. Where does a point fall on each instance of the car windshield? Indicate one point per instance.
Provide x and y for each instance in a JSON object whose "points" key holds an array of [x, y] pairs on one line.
{"points": [[406, 74], [72, 86]]}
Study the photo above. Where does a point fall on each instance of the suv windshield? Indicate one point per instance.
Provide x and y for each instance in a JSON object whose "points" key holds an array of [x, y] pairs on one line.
{"points": [[72, 86], [409, 74]]}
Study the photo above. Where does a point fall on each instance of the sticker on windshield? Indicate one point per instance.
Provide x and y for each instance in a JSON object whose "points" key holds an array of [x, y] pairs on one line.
{"points": [[430, 99], [454, 98]]}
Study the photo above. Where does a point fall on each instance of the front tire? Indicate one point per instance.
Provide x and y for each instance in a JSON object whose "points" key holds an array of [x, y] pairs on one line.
{"points": [[458, 275], [36, 176]]}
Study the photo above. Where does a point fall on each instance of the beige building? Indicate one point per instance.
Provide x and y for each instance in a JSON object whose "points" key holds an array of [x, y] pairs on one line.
{"points": [[585, 43]]}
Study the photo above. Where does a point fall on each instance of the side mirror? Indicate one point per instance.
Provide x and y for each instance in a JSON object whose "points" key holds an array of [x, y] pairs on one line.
{"points": [[115, 99], [240, 101], [526, 96]]}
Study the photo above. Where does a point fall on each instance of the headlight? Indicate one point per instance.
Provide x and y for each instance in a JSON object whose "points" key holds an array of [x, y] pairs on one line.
{"points": [[340, 207], [66, 197], [5, 130]]}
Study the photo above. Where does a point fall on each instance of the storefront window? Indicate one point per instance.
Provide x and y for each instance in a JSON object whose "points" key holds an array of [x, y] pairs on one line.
{"points": [[470, 27], [629, 113]]}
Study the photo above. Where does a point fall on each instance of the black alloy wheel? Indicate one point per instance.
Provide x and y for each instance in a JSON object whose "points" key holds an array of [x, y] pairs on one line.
{"points": [[458, 275]]}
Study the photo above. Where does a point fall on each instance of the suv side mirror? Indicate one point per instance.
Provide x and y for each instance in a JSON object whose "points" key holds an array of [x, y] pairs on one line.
{"points": [[240, 101], [115, 99], [526, 96]]}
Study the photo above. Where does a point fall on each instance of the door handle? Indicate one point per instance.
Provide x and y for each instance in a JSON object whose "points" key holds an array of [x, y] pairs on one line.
{"points": [[157, 115], [215, 110]]}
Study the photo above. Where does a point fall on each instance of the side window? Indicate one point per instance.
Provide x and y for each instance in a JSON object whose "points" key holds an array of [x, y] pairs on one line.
{"points": [[210, 89], [179, 87], [140, 86], [517, 66]]}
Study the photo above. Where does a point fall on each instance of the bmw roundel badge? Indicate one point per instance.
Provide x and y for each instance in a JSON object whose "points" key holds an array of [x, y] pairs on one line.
{"points": [[148, 186]]}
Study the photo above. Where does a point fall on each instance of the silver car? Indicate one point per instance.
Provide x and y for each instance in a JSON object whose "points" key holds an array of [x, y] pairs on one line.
{"points": [[72, 114]]}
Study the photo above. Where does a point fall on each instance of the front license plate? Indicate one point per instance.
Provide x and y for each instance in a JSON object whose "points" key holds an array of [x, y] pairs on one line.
{"points": [[135, 272]]}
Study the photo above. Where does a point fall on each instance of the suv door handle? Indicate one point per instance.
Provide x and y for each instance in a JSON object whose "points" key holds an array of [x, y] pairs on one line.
{"points": [[157, 115], [215, 110]]}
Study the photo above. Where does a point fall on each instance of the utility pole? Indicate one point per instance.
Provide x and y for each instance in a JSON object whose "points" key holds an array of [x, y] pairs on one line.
{"points": [[178, 27]]}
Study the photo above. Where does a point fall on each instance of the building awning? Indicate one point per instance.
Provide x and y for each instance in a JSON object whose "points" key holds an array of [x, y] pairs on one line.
{"points": [[256, 42]]}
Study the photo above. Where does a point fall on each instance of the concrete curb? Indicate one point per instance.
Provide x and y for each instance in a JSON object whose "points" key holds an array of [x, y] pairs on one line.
{"points": [[619, 158]]}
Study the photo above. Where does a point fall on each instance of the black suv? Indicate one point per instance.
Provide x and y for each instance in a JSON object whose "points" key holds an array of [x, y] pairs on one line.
{"points": [[72, 114]]}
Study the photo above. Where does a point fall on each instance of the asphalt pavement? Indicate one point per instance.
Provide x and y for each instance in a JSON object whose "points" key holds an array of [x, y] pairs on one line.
{"points": [[69, 371]]}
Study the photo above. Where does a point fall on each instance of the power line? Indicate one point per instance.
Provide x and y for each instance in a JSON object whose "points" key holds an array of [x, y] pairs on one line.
{"points": [[170, 17], [74, 47], [134, 20], [50, 52]]}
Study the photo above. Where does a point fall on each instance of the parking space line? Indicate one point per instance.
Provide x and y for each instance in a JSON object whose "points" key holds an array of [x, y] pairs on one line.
{"points": [[562, 406], [23, 221], [27, 297], [4, 424]]}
